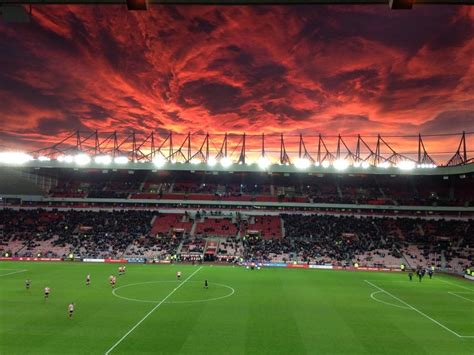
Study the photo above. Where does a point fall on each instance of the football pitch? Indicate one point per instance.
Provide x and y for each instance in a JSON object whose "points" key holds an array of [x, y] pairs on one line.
{"points": [[268, 311]]}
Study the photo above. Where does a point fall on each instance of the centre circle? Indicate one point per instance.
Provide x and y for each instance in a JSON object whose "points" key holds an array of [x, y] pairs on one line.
{"points": [[197, 293]]}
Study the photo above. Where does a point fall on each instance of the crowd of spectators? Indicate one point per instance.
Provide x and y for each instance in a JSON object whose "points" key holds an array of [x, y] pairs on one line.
{"points": [[348, 239], [161, 246], [343, 240], [323, 238], [82, 233], [230, 249]]}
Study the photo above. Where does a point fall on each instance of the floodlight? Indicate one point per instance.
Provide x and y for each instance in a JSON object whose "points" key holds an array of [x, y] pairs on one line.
{"points": [[159, 161], [325, 164], [15, 158], [226, 162], [365, 165], [68, 159], [406, 165], [43, 158], [82, 159], [263, 162], [103, 159], [384, 165], [211, 161], [340, 164], [356, 164], [195, 161], [302, 163], [121, 160], [317, 163]]}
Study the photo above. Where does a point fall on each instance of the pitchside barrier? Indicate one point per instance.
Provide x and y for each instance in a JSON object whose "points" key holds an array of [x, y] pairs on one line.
{"points": [[114, 261], [30, 259], [324, 267]]}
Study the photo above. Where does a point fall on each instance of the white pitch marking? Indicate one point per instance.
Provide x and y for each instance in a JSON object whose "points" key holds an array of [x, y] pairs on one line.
{"points": [[464, 298], [148, 314], [372, 295], [11, 273], [404, 281], [418, 311], [135, 284], [209, 299], [464, 287], [114, 292]]}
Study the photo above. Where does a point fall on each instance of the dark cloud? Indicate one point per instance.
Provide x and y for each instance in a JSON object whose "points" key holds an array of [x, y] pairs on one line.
{"points": [[421, 84], [26, 92], [452, 35], [354, 82], [199, 24], [353, 118], [132, 102], [213, 96], [98, 112], [53, 126], [110, 49], [268, 72], [450, 122], [287, 111], [407, 31]]}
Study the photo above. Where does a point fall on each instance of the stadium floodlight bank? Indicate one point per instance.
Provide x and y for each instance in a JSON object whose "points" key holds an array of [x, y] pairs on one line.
{"points": [[244, 153]]}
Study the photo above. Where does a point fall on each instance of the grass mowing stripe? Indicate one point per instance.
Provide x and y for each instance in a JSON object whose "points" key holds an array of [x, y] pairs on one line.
{"points": [[416, 310], [148, 314]]}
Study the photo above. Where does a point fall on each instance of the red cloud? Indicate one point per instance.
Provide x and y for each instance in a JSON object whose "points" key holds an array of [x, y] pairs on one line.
{"points": [[234, 69]]}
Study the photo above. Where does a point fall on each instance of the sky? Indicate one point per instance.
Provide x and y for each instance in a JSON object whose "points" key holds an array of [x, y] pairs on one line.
{"points": [[266, 69]]}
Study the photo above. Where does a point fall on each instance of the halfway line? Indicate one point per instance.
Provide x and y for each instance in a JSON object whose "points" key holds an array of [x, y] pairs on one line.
{"points": [[154, 308], [416, 310]]}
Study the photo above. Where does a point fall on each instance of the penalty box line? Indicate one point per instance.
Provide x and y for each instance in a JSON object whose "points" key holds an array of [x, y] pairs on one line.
{"points": [[12, 273], [455, 284], [420, 312], [148, 314], [462, 297]]}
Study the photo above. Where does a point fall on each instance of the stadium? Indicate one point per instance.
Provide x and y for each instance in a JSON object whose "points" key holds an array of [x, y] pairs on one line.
{"points": [[211, 191]]}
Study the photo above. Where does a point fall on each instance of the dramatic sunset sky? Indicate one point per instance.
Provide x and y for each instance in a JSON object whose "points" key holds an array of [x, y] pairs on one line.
{"points": [[290, 69]]}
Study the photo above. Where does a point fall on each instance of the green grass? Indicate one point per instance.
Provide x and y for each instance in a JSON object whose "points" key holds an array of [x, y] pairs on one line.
{"points": [[273, 311]]}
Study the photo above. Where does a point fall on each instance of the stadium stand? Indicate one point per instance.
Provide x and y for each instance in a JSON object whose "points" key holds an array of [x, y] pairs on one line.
{"points": [[104, 213], [320, 239], [220, 227], [369, 189], [268, 227]]}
